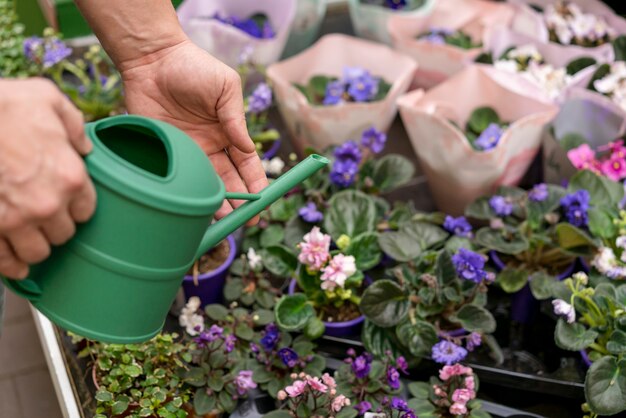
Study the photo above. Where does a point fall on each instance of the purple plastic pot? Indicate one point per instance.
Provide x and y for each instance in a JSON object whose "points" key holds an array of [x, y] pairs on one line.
{"points": [[210, 288], [271, 153], [524, 306], [586, 360], [454, 333], [339, 329]]}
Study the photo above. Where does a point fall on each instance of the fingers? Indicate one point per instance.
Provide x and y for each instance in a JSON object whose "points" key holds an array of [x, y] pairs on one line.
{"points": [[231, 114], [59, 229], [29, 244], [10, 266], [250, 169], [73, 121], [83, 206]]}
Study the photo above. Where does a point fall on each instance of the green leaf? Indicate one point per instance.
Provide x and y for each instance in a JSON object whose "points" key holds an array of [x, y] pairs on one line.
{"points": [[423, 408], [538, 210], [385, 303], [572, 238], [278, 414], [347, 412], [512, 280], [572, 140], [475, 319], [579, 64], [263, 317], [216, 312], [279, 260], [365, 250], [284, 209], [573, 337], [411, 240], [392, 171], [244, 332], [605, 386], [350, 212], [216, 381], [541, 285], [420, 390], [195, 377], [601, 190], [233, 289], [418, 337], [272, 235], [293, 312], [617, 343], [481, 118], [601, 223], [104, 395], [314, 328], [203, 403], [444, 269], [494, 239], [601, 72], [479, 209], [378, 340], [619, 48], [295, 229], [119, 407]]}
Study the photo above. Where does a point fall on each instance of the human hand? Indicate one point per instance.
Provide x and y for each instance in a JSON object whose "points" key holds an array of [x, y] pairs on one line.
{"points": [[187, 87], [44, 186]]}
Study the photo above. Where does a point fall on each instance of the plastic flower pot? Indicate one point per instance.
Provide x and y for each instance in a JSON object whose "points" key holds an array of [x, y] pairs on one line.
{"points": [[338, 329], [524, 306], [226, 42], [210, 286], [322, 126], [530, 22], [439, 62], [457, 173], [306, 26], [370, 21]]}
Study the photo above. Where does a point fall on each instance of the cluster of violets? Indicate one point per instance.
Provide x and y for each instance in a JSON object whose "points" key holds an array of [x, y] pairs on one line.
{"points": [[569, 25], [606, 260], [249, 26], [268, 350], [470, 265], [609, 161], [613, 85], [355, 85], [320, 393], [46, 52], [260, 100], [350, 155], [315, 255], [457, 388]]}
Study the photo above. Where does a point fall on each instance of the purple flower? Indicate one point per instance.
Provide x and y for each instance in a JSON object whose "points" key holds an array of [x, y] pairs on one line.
{"points": [[353, 73], [261, 99], [248, 26], [458, 226], [469, 265], [32, 47], [55, 52], [539, 193], [448, 353], [473, 340], [399, 404], [364, 88], [576, 205], [363, 407], [393, 378], [288, 357], [244, 382], [254, 348], [435, 38], [395, 4], [374, 140], [344, 172], [208, 336], [310, 213], [501, 205], [334, 93], [229, 343], [402, 365], [348, 151], [489, 138], [270, 337], [408, 414], [361, 366]]}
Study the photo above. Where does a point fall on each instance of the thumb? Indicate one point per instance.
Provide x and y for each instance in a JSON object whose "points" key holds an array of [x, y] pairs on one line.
{"points": [[232, 117], [74, 125]]}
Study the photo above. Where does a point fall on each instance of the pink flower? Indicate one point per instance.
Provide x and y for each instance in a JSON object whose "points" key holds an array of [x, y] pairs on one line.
{"points": [[296, 389], [316, 384], [337, 271], [458, 409], [469, 383], [339, 402], [455, 370], [244, 382], [329, 381], [463, 396], [314, 250], [581, 156], [282, 395], [614, 168]]}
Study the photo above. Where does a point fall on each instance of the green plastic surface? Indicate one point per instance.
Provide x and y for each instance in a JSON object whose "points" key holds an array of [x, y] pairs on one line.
{"points": [[157, 192]]}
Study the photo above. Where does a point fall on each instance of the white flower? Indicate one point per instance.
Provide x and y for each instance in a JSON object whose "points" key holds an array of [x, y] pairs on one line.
{"points": [[551, 80], [254, 259], [189, 319], [581, 277], [525, 51], [613, 84], [606, 263], [507, 65], [565, 310], [274, 166], [583, 26]]}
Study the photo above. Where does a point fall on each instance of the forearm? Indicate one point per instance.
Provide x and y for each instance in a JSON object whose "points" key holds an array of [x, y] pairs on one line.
{"points": [[133, 32]]}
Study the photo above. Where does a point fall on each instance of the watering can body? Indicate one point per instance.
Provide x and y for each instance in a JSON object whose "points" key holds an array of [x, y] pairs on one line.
{"points": [[157, 193]]}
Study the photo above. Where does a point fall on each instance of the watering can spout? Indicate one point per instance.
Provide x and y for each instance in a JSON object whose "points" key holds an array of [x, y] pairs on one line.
{"points": [[257, 203]]}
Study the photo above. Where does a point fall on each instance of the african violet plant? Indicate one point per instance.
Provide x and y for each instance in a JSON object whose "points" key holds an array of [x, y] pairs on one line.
{"points": [[593, 319], [608, 160], [257, 106], [610, 81], [567, 24], [443, 36], [538, 234], [484, 129], [355, 85]]}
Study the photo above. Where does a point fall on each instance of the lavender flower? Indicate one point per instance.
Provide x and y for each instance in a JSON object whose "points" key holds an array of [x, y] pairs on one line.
{"points": [[229, 343], [458, 226], [363, 407], [270, 338], [402, 365], [448, 353], [565, 310], [374, 140], [208, 336], [473, 340], [254, 348], [55, 52], [469, 265], [435, 39], [399, 404], [576, 205], [361, 366], [539, 193], [348, 151], [334, 93], [489, 138], [310, 214], [244, 382], [261, 99], [351, 74], [344, 172], [288, 357], [393, 378], [364, 88], [501, 205], [249, 26], [32, 46]]}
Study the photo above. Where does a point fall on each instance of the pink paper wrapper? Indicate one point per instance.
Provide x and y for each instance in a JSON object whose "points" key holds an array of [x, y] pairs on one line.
{"points": [[438, 62], [529, 22], [226, 42], [457, 174], [321, 126]]}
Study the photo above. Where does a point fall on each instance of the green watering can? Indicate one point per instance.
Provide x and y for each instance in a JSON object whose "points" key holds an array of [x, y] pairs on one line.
{"points": [[157, 192]]}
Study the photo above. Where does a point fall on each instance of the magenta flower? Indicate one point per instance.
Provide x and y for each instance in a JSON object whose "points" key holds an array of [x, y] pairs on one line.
{"points": [[614, 168], [363, 407], [314, 250], [393, 378], [337, 271], [244, 382], [583, 158]]}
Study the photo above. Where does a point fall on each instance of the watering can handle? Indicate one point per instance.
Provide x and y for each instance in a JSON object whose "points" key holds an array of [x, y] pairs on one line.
{"points": [[27, 289], [257, 203]]}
